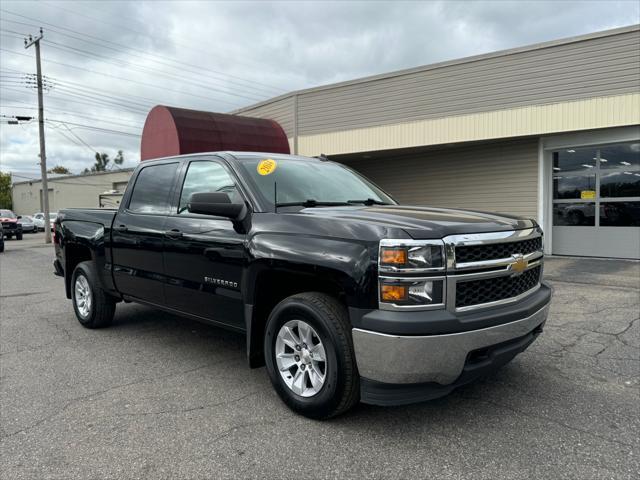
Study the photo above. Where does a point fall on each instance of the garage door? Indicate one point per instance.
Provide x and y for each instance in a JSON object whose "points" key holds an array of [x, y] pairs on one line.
{"points": [[596, 201]]}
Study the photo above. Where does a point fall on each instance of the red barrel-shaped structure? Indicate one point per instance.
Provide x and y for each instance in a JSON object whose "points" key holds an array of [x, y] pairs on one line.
{"points": [[172, 131]]}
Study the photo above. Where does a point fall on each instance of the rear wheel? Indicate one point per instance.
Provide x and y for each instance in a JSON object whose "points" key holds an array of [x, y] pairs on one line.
{"points": [[309, 355], [93, 307]]}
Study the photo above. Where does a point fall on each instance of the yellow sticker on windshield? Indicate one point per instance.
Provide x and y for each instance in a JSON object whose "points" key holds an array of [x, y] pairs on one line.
{"points": [[265, 167]]}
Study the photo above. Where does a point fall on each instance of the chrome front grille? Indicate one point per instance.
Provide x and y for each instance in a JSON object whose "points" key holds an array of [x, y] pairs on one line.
{"points": [[491, 269], [489, 290], [493, 251]]}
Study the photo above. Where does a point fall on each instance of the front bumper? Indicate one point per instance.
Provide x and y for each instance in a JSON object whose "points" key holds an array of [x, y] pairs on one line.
{"points": [[400, 369]]}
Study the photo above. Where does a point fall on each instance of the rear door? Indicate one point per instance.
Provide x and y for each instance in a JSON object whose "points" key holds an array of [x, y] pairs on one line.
{"points": [[204, 255], [138, 233]]}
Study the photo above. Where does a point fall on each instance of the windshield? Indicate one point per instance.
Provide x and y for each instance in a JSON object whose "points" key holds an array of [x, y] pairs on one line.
{"points": [[310, 182], [26, 220], [7, 214]]}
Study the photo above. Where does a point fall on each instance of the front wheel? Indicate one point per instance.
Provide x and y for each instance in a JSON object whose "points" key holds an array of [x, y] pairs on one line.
{"points": [[18, 236], [309, 355], [93, 307]]}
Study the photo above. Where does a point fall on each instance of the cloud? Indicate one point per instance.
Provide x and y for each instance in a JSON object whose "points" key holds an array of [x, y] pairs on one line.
{"points": [[110, 62]]}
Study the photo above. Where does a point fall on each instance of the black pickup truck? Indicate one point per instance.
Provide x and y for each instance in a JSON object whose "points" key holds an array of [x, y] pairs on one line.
{"points": [[343, 294]]}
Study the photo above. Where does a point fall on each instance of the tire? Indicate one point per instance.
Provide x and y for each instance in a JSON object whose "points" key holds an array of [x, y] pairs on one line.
{"points": [[329, 321], [18, 236], [1, 247], [101, 308], [8, 237]]}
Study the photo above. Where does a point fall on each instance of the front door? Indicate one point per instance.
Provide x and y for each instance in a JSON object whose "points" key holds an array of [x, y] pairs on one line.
{"points": [[204, 255], [139, 231], [596, 201]]}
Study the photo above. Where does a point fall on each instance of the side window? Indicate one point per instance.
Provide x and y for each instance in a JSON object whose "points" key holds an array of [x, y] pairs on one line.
{"points": [[207, 177], [152, 188]]}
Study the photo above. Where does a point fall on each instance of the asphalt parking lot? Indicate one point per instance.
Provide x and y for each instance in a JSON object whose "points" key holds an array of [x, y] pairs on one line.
{"points": [[158, 396]]}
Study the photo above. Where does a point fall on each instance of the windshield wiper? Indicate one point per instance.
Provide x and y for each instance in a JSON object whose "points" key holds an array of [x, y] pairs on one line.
{"points": [[368, 202], [309, 203]]}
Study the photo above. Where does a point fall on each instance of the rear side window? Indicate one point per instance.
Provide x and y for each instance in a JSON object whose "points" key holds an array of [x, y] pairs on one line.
{"points": [[152, 188]]}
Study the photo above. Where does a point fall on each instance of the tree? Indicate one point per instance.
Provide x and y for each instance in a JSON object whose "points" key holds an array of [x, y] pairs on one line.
{"points": [[59, 169], [102, 161], [5, 191]]}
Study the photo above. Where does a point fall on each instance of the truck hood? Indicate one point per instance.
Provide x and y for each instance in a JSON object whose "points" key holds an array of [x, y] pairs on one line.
{"points": [[8, 220], [424, 222]]}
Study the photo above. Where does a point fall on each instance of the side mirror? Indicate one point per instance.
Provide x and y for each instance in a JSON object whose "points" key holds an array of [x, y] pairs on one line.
{"points": [[19, 217], [216, 203]]}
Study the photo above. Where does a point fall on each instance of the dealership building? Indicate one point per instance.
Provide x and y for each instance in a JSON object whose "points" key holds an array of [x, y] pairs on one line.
{"points": [[549, 131]]}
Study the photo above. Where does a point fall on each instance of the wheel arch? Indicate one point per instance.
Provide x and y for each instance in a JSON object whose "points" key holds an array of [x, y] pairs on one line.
{"points": [[269, 285]]}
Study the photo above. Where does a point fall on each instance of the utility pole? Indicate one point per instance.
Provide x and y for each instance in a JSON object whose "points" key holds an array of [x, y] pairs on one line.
{"points": [[43, 153]]}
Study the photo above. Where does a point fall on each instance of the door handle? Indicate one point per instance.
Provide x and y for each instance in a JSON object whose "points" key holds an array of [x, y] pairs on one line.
{"points": [[121, 228], [174, 233]]}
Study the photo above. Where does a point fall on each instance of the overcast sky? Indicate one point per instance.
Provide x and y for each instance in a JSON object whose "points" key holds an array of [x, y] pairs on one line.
{"points": [[107, 63]]}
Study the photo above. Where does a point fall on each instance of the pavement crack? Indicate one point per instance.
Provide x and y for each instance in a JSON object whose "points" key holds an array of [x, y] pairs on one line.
{"points": [[89, 396], [22, 294], [187, 410], [548, 419]]}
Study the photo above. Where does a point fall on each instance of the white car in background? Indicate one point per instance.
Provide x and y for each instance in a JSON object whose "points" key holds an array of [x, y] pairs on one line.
{"points": [[38, 221], [52, 220]]}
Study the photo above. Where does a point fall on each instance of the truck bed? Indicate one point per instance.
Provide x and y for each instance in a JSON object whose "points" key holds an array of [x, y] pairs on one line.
{"points": [[102, 216]]}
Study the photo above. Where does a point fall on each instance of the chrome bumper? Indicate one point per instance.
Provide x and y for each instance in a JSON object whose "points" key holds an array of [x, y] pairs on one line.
{"points": [[435, 358]]}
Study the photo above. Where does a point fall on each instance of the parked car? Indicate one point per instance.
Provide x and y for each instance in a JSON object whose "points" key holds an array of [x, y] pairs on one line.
{"points": [[10, 224], [1, 239], [342, 293], [27, 224], [52, 219], [38, 220]]}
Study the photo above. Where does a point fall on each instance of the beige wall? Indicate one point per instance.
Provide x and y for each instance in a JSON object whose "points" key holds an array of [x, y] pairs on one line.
{"points": [[586, 82], [66, 192], [496, 176]]}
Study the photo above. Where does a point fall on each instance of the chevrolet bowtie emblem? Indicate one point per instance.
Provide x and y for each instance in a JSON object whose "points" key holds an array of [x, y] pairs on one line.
{"points": [[519, 264]]}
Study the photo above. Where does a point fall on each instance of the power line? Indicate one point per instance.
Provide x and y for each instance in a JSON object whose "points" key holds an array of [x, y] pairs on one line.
{"points": [[87, 54], [188, 46], [91, 89], [93, 127], [61, 133], [129, 50], [122, 78], [75, 114], [77, 98]]}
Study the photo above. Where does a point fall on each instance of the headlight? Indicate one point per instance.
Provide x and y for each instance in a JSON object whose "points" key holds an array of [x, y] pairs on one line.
{"points": [[411, 256], [411, 292], [399, 262]]}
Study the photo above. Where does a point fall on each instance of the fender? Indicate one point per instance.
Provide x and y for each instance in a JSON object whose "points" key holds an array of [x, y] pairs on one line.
{"points": [[313, 262], [85, 236]]}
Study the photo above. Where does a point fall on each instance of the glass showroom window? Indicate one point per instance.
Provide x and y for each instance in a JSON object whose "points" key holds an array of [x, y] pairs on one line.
{"points": [[597, 186]]}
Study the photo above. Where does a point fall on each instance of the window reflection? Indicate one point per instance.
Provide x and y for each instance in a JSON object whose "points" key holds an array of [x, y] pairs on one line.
{"points": [[574, 214], [574, 159], [624, 183], [624, 155], [572, 186], [620, 214]]}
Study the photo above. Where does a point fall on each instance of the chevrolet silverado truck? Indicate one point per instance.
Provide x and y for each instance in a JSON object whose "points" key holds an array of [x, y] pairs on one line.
{"points": [[341, 292]]}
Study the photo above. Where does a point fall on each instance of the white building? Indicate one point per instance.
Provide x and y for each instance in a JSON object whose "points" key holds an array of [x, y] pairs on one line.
{"points": [[67, 191]]}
